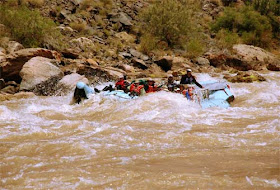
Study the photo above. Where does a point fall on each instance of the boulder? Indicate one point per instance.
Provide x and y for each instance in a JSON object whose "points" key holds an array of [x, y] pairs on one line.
{"points": [[13, 46], [6, 97], [223, 60], [70, 53], [202, 61], [36, 71], [92, 62], [139, 63], [13, 63], [10, 90], [68, 82], [127, 68], [274, 66], [246, 77], [138, 54], [165, 63], [122, 18], [251, 54], [99, 74], [125, 37], [125, 55], [82, 44]]}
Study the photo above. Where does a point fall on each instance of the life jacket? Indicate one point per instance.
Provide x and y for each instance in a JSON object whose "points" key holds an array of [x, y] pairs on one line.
{"points": [[121, 85], [138, 89], [151, 89], [132, 87]]}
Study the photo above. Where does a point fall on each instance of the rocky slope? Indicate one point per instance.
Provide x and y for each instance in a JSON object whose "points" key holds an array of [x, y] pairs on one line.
{"points": [[103, 44]]}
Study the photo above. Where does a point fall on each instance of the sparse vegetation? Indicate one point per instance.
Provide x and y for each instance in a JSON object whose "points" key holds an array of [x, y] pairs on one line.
{"points": [[28, 26], [170, 21], [252, 27]]}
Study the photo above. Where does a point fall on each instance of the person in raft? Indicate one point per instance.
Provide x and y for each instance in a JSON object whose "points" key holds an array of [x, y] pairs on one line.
{"points": [[151, 87], [137, 89], [189, 79], [122, 84]]}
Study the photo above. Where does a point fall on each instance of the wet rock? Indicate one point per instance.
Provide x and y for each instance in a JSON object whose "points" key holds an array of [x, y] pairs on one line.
{"points": [[36, 71], [202, 61], [10, 90], [82, 44], [139, 63], [14, 62], [48, 87], [13, 46], [165, 63], [246, 77], [274, 66], [68, 82], [138, 54]]}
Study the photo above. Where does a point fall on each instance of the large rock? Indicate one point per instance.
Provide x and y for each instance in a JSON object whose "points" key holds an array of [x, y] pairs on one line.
{"points": [[14, 46], [165, 63], [82, 44], [202, 61], [246, 77], [13, 63], [127, 68], [251, 53], [99, 74], [123, 36], [36, 71], [244, 58], [139, 63], [138, 54], [68, 82], [122, 18]]}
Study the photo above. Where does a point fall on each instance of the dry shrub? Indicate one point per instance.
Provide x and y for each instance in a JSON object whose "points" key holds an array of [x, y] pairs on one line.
{"points": [[80, 27]]}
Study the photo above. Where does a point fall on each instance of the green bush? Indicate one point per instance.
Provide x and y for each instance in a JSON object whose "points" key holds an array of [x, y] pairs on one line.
{"points": [[227, 38], [250, 25], [171, 21], [267, 6], [29, 27]]}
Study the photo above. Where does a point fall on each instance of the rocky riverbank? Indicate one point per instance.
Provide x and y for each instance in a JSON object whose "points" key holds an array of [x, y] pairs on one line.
{"points": [[106, 50]]}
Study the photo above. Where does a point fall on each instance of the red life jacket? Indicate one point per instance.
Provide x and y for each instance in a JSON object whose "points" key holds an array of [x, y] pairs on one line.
{"points": [[151, 89], [121, 83], [132, 87], [138, 89]]}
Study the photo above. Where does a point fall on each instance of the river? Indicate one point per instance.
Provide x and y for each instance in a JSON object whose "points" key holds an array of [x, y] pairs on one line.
{"points": [[159, 141]]}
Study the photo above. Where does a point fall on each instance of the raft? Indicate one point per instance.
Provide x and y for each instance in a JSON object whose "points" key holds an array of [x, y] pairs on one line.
{"points": [[214, 94]]}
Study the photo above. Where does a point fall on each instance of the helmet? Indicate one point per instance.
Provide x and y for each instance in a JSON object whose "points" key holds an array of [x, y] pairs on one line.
{"points": [[80, 85], [189, 70]]}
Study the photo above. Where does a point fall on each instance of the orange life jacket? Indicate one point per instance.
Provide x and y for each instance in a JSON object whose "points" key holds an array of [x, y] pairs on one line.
{"points": [[151, 89]]}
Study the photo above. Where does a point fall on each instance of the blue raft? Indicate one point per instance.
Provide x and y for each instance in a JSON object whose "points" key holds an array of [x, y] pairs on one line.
{"points": [[214, 94]]}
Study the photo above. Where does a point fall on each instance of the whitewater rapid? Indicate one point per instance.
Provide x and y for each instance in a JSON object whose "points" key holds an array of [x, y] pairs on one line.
{"points": [[159, 141]]}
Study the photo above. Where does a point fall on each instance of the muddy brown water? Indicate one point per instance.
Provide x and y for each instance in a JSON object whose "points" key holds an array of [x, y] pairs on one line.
{"points": [[160, 141]]}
